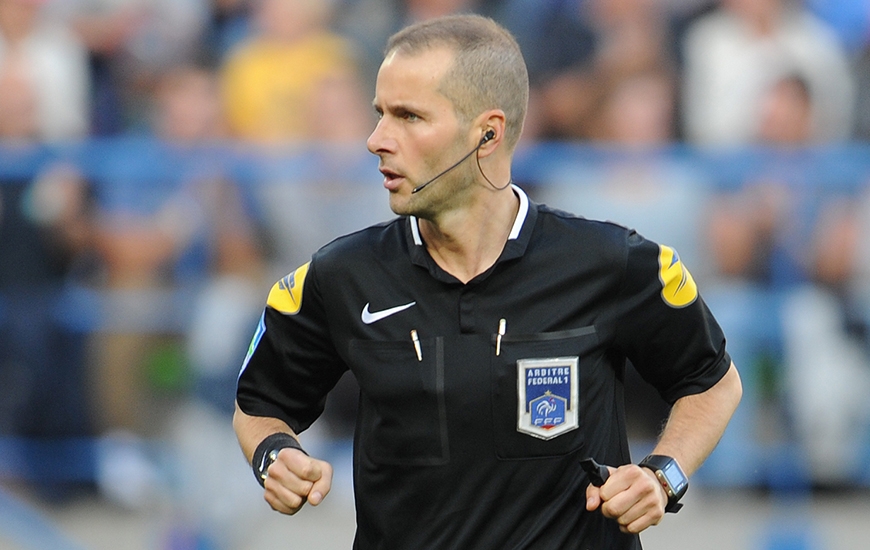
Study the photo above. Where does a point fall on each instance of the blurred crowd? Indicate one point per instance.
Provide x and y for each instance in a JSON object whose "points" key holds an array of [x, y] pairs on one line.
{"points": [[164, 257]]}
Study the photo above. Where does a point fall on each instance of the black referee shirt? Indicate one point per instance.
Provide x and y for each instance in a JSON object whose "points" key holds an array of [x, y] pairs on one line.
{"points": [[471, 436]]}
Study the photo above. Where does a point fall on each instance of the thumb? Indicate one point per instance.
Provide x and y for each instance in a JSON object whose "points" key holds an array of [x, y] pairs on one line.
{"points": [[322, 486], [593, 497]]}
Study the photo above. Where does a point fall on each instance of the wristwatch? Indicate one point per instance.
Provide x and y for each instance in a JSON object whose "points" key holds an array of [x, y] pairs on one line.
{"points": [[671, 476]]}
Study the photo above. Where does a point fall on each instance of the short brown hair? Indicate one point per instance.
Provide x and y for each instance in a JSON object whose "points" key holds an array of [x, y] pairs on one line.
{"points": [[488, 72]]}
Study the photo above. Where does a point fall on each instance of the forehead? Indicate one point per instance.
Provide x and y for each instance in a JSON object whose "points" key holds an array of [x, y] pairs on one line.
{"points": [[404, 76]]}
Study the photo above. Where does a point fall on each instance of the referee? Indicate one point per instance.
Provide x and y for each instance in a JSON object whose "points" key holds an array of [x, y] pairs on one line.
{"points": [[488, 335]]}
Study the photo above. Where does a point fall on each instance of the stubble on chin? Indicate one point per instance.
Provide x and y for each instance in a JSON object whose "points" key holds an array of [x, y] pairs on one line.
{"points": [[408, 204], [399, 204]]}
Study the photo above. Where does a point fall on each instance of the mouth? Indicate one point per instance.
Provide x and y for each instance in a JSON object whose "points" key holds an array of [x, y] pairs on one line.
{"points": [[392, 179]]}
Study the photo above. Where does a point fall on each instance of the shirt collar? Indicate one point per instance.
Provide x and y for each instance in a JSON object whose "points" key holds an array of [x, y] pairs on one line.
{"points": [[515, 229], [518, 239]]}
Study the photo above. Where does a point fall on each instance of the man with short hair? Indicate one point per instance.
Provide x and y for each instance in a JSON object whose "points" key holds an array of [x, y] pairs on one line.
{"points": [[488, 335]]}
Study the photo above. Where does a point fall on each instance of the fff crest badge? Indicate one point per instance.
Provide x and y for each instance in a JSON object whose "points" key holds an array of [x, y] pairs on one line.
{"points": [[548, 396]]}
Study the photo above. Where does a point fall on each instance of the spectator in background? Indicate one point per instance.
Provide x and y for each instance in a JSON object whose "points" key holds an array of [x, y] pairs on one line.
{"points": [[175, 235], [44, 74], [45, 238], [190, 115], [229, 24], [214, 508], [758, 234], [826, 350], [826, 370], [591, 48], [340, 110], [786, 117], [638, 112], [296, 81], [733, 56], [560, 44], [44, 244], [751, 229], [131, 42], [271, 80]]}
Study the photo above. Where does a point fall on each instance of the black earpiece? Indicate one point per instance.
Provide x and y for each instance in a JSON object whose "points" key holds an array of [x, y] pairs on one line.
{"points": [[487, 136]]}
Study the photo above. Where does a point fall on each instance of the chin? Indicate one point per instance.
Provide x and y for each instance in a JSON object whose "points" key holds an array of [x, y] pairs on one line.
{"points": [[399, 205], [410, 205]]}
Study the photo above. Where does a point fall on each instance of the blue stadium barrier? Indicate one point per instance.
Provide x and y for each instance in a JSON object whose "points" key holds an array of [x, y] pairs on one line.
{"points": [[134, 160], [50, 460]]}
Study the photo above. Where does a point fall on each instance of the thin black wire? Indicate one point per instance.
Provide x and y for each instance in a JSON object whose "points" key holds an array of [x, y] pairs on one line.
{"points": [[494, 186]]}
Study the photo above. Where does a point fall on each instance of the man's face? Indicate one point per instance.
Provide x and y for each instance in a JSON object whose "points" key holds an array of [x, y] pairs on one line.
{"points": [[418, 134]]}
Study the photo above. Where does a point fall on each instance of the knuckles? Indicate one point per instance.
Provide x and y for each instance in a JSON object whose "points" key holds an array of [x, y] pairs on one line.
{"points": [[291, 478], [287, 502], [635, 502]]}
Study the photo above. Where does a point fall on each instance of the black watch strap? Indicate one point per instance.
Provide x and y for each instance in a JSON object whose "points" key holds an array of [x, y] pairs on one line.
{"points": [[267, 452], [671, 476]]}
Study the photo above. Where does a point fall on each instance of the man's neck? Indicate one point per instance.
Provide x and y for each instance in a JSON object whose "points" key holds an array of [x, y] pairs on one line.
{"points": [[468, 241]]}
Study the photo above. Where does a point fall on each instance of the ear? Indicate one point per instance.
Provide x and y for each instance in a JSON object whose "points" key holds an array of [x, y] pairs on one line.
{"points": [[492, 126]]}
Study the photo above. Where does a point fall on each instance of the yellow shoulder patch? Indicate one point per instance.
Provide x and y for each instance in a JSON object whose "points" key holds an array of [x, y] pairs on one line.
{"points": [[678, 286], [286, 294]]}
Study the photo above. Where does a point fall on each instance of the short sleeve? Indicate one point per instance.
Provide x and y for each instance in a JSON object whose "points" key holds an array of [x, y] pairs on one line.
{"points": [[291, 364], [664, 327]]}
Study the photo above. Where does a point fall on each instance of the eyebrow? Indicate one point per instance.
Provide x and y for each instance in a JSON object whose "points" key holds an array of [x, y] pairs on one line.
{"points": [[398, 109]]}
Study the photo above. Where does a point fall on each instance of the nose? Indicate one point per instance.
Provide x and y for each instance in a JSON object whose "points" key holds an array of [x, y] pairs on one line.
{"points": [[378, 141]]}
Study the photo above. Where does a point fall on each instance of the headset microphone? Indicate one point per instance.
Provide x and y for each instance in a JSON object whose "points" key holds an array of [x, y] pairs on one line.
{"points": [[486, 137]]}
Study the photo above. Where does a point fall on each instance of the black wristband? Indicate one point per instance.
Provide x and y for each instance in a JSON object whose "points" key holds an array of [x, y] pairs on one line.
{"points": [[267, 452]]}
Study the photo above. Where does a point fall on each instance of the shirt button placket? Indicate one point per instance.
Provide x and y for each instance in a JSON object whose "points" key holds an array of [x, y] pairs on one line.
{"points": [[466, 311]]}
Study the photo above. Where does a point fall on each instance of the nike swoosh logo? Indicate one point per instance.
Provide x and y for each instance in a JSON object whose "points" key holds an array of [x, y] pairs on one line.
{"points": [[369, 317]]}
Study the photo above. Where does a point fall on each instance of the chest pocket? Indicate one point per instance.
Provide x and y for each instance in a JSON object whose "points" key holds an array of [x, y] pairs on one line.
{"points": [[538, 383], [402, 407]]}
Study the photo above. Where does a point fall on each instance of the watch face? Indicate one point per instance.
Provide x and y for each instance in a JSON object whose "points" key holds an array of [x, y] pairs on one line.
{"points": [[675, 477]]}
